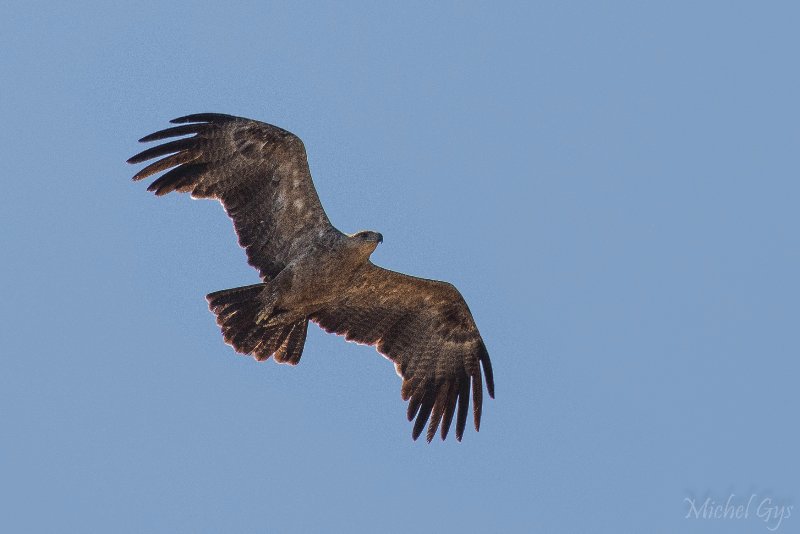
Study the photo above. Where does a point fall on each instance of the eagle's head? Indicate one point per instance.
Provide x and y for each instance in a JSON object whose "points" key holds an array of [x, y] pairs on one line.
{"points": [[366, 240]]}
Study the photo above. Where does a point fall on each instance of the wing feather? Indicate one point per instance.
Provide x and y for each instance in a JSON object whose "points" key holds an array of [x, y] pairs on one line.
{"points": [[259, 173], [425, 327], [175, 131]]}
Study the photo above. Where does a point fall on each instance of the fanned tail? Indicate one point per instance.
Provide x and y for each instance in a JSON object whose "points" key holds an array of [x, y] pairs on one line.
{"points": [[250, 328]]}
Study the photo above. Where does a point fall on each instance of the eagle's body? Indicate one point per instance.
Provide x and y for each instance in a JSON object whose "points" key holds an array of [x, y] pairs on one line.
{"points": [[312, 271]]}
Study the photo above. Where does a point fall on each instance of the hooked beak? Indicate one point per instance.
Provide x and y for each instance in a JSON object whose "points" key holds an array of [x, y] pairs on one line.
{"points": [[380, 238]]}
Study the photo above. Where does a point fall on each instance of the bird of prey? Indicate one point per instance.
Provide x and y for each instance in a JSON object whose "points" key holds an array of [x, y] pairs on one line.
{"points": [[311, 271]]}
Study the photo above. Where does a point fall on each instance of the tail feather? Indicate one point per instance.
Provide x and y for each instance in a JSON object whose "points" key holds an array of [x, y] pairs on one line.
{"points": [[245, 326], [292, 348]]}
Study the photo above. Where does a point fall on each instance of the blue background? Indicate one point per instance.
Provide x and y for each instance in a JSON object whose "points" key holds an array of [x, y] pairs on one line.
{"points": [[612, 187]]}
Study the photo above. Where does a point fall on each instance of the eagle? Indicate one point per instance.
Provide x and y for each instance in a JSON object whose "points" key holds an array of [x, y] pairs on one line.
{"points": [[311, 271]]}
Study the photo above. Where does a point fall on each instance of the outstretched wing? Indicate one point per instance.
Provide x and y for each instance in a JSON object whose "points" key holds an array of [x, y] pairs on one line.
{"points": [[258, 171], [427, 330]]}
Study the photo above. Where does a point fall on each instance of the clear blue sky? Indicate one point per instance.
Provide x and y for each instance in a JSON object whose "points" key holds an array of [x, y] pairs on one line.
{"points": [[614, 189]]}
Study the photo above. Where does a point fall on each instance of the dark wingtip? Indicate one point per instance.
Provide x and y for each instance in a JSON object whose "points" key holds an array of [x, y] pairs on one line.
{"points": [[486, 363], [204, 117], [171, 147], [413, 407], [154, 189], [175, 131], [463, 409], [424, 414]]}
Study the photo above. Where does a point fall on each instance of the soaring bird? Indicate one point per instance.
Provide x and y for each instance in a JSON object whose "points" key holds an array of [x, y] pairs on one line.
{"points": [[311, 271]]}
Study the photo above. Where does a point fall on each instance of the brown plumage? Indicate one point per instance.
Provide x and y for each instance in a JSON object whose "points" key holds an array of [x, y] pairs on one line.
{"points": [[312, 271]]}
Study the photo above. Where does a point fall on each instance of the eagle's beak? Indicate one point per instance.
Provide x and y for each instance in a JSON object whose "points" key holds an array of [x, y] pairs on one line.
{"points": [[380, 238]]}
